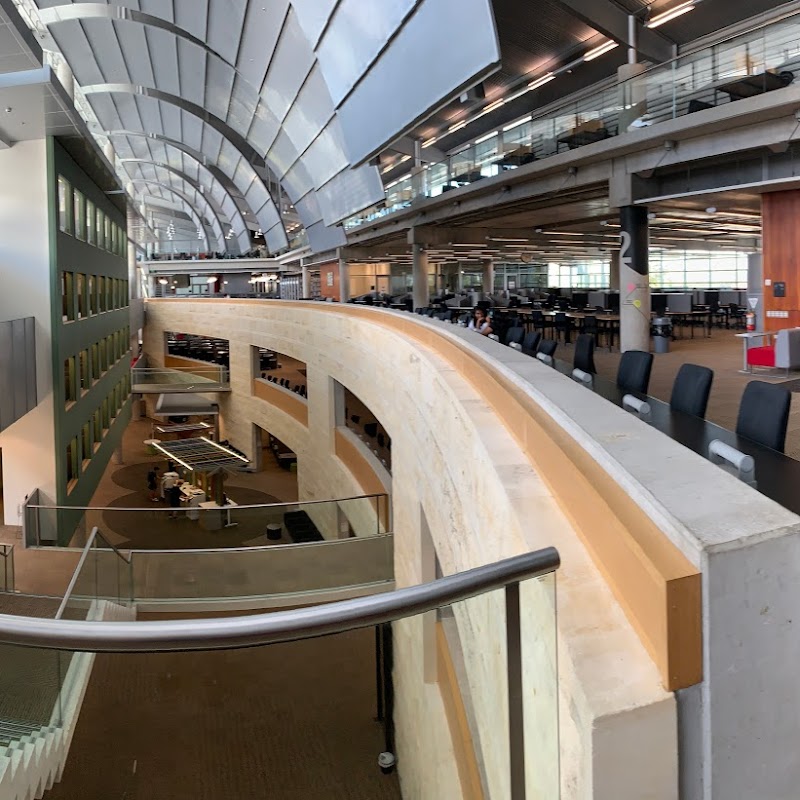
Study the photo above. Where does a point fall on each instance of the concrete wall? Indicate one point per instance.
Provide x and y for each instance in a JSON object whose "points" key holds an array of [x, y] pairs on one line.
{"points": [[441, 426], [28, 446]]}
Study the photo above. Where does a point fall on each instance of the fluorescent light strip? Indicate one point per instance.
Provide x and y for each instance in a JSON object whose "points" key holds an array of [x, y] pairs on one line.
{"points": [[429, 142], [224, 449], [666, 16], [600, 50], [457, 126], [541, 81], [517, 124], [173, 457], [487, 137]]}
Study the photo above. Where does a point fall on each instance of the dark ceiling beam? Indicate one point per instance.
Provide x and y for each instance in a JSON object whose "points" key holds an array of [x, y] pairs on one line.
{"points": [[479, 236], [405, 146], [610, 20]]}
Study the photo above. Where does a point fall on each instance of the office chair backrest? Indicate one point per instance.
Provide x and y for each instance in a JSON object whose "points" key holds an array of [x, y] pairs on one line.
{"points": [[691, 390], [764, 414], [514, 335], [547, 347], [633, 374], [531, 342], [584, 353]]}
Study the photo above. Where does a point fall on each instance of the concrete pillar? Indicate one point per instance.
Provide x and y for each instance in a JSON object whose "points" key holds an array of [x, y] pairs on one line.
{"points": [[755, 287], [109, 153], [306, 273], [419, 265], [633, 94], [488, 275], [344, 279], [634, 279], [66, 78], [613, 271], [118, 459]]}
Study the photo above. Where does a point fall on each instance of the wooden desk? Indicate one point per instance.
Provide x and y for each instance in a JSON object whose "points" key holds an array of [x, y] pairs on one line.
{"points": [[752, 85]]}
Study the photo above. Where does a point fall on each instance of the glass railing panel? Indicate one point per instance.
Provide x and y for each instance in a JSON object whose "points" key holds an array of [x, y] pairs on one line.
{"points": [[436, 178], [539, 655], [258, 572], [179, 377], [200, 523], [504, 660]]}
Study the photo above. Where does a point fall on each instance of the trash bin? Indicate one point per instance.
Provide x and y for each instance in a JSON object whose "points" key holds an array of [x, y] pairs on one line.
{"points": [[274, 531], [661, 331]]}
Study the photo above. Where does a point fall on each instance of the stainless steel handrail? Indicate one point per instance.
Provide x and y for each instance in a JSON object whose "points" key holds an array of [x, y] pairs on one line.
{"points": [[281, 626], [95, 534], [7, 553], [296, 503]]}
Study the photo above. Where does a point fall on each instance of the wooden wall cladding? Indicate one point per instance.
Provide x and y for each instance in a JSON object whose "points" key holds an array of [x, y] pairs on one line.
{"points": [[780, 212]]}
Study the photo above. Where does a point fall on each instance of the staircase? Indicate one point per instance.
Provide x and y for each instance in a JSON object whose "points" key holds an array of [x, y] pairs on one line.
{"points": [[32, 756], [30, 761]]}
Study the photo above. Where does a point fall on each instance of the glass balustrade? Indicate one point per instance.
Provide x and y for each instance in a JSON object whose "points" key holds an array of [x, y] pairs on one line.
{"points": [[206, 377], [761, 60], [207, 525]]}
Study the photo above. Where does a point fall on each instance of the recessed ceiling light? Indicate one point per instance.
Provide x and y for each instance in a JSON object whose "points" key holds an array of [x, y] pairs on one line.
{"points": [[711, 210]]}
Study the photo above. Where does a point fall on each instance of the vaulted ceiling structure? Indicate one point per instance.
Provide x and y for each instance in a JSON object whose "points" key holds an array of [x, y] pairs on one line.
{"points": [[221, 101]]}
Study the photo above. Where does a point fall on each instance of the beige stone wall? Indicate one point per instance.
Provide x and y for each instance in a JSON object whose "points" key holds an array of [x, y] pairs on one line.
{"points": [[454, 461]]}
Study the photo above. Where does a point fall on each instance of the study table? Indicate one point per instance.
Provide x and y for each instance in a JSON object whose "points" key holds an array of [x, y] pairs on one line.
{"points": [[777, 475]]}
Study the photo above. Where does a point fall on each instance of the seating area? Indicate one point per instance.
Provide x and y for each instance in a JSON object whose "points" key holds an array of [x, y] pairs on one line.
{"points": [[200, 348], [362, 422], [301, 528], [783, 353]]}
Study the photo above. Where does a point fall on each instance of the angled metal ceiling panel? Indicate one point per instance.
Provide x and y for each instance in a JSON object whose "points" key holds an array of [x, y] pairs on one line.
{"points": [[326, 156], [310, 113], [348, 192], [225, 23], [219, 85], [192, 71], [322, 238], [290, 65], [313, 16], [357, 32], [297, 182], [259, 38], [417, 70]]}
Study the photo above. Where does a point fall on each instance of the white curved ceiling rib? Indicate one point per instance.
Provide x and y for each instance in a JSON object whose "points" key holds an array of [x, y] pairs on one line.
{"points": [[294, 80], [165, 175], [189, 169], [174, 198], [238, 178], [200, 140]]}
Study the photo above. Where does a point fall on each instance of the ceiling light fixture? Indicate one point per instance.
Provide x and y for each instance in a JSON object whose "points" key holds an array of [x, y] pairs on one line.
{"points": [[486, 137], [541, 81], [457, 126], [600, 50], [429, 142], [666, 16]]}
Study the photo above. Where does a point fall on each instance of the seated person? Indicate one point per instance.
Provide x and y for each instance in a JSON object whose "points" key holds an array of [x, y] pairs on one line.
{"points": [[480, 322]]}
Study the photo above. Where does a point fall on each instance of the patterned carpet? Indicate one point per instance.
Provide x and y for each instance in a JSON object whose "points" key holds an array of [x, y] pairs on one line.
{"points": [[153, 529], [287, 722]]}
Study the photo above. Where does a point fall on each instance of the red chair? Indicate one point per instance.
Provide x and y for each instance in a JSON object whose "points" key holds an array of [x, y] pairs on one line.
{"points": [[761, 356]]}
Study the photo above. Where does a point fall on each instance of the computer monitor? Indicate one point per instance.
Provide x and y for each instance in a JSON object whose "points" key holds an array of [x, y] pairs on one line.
{"points": [[612, 301], [580, 299], [658, 303]]}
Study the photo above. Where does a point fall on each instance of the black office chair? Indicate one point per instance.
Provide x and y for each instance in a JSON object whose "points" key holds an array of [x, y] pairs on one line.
{"points": [[371, 429], [633, 374], [764, 414], [562, 324], [514, 335], [531, 342], [547, 347], [691, 390], [584, 353], [589, 325]]}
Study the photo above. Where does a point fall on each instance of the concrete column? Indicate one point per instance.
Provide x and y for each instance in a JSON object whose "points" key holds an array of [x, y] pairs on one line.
{"points": [[344, 279], [420, 276], [109, 153], [613, 271], [306, 272], [634, 279], [66, 78], [755, 287], [488, 276], [118, 457]]}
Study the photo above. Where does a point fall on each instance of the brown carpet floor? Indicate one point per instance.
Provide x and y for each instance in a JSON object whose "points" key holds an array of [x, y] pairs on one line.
{"points": [[286, 722], [153, 529], [29, 677]]}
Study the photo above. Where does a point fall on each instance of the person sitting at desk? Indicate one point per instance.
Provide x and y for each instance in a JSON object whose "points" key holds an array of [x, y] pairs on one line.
{"points": [[480, 323]]}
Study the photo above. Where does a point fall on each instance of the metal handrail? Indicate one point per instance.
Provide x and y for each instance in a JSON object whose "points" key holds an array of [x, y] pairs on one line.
{"points": [[280, 626], [93, 537], [238, 507], [7, 553]]}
